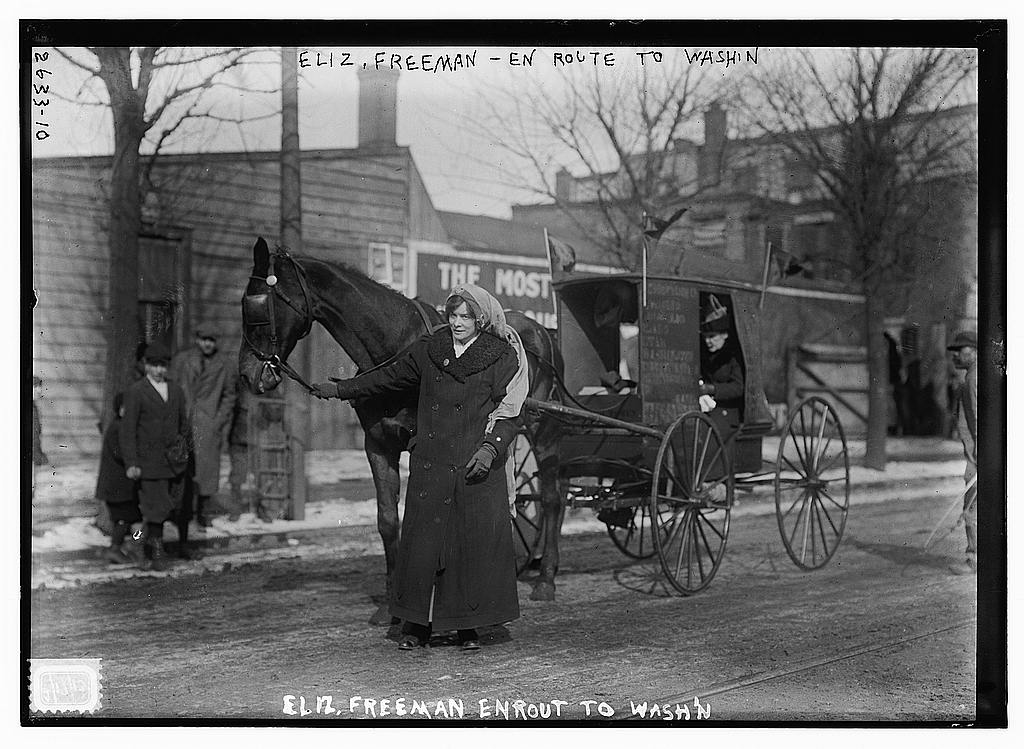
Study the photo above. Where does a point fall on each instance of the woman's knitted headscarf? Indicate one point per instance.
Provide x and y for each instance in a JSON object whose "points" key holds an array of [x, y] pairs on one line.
{"points": [[485, 308]]}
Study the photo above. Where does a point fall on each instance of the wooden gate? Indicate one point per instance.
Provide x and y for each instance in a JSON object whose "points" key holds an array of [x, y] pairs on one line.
{"points": [[837, 373]]}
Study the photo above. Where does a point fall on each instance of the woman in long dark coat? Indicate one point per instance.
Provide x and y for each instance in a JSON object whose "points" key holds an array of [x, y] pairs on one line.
{"points": [[456, 565]]}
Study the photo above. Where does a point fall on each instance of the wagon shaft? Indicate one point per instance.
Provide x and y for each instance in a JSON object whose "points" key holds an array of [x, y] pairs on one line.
{"points": [[578, 413]]}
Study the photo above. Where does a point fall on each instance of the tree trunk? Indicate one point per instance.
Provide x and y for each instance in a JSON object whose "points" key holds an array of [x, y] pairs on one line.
{"points": [[878, 378], [298, 401], [123, 270]]}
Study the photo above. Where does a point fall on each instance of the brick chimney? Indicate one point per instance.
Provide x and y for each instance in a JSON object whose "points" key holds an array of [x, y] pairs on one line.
{"points": [[709, 164], [378, 107], [563, 185]]}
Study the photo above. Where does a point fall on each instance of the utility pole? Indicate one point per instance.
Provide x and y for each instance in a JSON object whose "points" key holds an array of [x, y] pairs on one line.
{"points": [[297, 401]]}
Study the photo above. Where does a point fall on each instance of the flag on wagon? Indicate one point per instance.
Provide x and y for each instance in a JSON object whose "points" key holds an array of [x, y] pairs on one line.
{"points": [[561, 254], [654, 227]]}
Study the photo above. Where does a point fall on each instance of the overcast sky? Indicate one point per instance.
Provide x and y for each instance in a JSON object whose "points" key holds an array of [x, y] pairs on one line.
{"points": [[438, 111]]}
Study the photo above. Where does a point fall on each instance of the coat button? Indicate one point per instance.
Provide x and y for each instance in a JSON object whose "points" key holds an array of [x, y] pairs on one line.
{"points": [[426, 465], [434, 407], [453, 469], [447, 500], [446, 361], [423, 494], [437, 379], [458, 406], [431, 435]]}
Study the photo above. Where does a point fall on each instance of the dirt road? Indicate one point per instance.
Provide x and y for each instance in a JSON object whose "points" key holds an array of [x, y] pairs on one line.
{"points": [[883, 633]]}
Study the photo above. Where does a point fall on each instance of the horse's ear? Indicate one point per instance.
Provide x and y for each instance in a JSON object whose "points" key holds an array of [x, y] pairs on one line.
{"points": [[260, 256]]}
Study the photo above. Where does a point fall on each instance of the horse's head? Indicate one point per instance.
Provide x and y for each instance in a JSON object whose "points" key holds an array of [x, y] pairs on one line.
{"points": [[276, 314]]}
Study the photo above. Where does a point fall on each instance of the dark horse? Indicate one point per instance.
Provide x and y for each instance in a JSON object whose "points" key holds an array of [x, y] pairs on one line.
{"points": [[373, 323]]}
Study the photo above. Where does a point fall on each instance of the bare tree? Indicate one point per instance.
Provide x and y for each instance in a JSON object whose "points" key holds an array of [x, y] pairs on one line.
{"points": [[154, 94], [880, 130], [618, 132]]}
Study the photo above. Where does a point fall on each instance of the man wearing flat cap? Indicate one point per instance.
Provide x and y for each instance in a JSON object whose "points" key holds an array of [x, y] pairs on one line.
{"points": [[208, 379], [965, 356], [154, 444]]}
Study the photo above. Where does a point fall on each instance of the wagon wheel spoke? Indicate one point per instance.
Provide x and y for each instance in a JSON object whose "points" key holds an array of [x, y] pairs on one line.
{"points": [[692, 460], [793, 467], [803, 495], [828, 516], [684, 545], [799, 516], [698, 468], [803, 438], [699, 478], [821, 527], [635, 539], [529, 519], [832, 461], [833, 500], [813, 533], [818, 443]]}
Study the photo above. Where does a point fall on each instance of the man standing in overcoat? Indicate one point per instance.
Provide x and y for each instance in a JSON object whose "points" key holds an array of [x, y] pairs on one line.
{"points": [[965, 356], [154, 445], [208, 380]]}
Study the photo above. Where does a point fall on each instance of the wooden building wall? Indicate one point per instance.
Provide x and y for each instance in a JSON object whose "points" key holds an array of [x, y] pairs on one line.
{"points": [[213, 206]]}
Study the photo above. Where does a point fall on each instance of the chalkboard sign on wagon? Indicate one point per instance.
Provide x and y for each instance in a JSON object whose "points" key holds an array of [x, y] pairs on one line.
{"points": [[669, 351]]}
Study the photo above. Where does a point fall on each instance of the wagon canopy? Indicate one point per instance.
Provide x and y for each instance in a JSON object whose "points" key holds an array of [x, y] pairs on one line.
{"points": [[593, 307]]}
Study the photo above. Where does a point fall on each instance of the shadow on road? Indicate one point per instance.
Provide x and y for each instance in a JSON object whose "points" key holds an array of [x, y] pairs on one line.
{"points": [[903, 555]]}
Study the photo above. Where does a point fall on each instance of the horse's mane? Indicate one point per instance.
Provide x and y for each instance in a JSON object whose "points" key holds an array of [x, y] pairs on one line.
{"points": [[355, 275]]}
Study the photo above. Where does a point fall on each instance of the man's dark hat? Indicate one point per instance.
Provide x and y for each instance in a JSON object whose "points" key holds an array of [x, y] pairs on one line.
{"points": [[157, 352], [963, 338]]}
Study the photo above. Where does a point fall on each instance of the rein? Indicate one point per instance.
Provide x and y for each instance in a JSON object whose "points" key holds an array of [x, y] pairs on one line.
{"points": [[273, 358]]}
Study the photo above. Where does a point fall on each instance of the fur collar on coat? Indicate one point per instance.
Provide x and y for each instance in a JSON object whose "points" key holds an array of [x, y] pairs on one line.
{"points": [[481, 354]]}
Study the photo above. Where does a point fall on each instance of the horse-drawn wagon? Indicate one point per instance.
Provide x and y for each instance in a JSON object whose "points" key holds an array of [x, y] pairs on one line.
{"points": [[618, 427], [635, 444]]}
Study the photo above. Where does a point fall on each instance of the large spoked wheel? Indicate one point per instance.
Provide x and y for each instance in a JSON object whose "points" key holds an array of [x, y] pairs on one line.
{"points": [[812, 484], [526, 526], [691, 500]]}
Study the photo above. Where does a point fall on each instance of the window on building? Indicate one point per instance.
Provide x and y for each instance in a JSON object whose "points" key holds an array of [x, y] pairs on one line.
{"points": [[745, 179], [799, 176], [161, 291], [709, 235], [388, 265]]}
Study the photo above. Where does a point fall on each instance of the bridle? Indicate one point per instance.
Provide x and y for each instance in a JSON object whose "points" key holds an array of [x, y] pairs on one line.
{"points": [[258, 310]]}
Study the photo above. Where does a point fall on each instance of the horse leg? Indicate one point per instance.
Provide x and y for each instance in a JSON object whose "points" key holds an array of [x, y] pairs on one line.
{"points": [[384, 467], [554, 512]]}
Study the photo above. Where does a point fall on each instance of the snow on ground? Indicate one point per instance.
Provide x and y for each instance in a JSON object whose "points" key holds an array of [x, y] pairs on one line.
{"points": [[329, 467]]}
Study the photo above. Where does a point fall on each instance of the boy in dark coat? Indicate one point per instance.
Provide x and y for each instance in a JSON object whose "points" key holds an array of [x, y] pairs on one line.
{"points": [[115, 488], [154, 444]]}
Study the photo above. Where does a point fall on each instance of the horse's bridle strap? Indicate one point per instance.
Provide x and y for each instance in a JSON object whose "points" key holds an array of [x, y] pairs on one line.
{"points": [[274, 359]]}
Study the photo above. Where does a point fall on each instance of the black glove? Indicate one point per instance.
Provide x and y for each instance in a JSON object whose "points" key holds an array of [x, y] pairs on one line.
{"points": [[707, 388], [324, 390], [480, 463]]}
